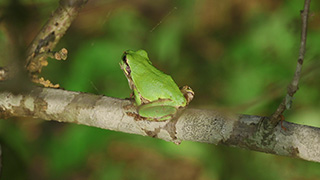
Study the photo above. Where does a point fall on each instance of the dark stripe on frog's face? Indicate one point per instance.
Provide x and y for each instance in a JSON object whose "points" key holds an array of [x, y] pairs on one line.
{"points": [[125, 64]]}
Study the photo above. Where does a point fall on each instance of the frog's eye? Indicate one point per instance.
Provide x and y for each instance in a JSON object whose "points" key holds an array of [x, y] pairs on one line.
{"points": [[124, 58]]}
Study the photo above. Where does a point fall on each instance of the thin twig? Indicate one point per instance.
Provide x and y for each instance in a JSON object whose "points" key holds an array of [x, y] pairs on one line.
{"points": [[51, 33], [3, 74], [293, 86]]}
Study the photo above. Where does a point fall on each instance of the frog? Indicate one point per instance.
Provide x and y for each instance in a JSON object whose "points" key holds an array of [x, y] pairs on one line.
{"points": [[156, 95]]}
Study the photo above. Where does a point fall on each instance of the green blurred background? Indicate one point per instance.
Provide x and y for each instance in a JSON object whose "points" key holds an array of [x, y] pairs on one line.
{"points": [[237, 56]]}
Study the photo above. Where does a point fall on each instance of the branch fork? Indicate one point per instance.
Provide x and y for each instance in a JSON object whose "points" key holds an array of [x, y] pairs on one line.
{"points": [[293, 86]]}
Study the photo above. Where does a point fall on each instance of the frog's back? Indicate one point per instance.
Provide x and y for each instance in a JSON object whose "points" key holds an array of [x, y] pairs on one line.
{"points": [[153, 84]]}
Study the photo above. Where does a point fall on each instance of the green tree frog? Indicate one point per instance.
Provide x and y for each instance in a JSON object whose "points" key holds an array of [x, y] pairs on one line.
{"points": [[157, 96]]}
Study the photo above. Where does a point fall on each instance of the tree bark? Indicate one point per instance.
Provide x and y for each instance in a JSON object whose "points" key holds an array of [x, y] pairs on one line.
{"points": [[207, 126]]}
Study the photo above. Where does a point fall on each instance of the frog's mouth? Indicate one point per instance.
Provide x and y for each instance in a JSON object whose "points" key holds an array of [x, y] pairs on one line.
{"points": [[126, 70], [128, 76]]}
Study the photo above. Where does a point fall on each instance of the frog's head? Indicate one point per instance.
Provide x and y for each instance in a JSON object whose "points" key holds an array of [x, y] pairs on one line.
{"points": [[142, 53], [131, 58]]}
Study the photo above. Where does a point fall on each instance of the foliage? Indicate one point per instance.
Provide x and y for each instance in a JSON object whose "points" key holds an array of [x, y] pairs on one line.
{"points": [[235, 56]]}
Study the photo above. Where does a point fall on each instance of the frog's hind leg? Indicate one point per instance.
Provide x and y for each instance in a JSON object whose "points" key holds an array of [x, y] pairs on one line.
{"points": [[157, 111]]}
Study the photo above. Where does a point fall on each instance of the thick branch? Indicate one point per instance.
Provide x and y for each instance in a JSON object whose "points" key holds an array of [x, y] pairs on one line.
{"points": [[208, 126], [293, 86]]}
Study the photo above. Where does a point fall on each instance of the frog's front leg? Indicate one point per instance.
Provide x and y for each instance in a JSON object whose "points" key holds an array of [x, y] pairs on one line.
{"points": [[187, 93]]}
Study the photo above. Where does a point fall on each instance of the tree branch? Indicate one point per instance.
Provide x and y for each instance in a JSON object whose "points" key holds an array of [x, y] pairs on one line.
{"points": [[207, 126], [0, 159], [3, 74], [293, 86], [51, 33]]}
